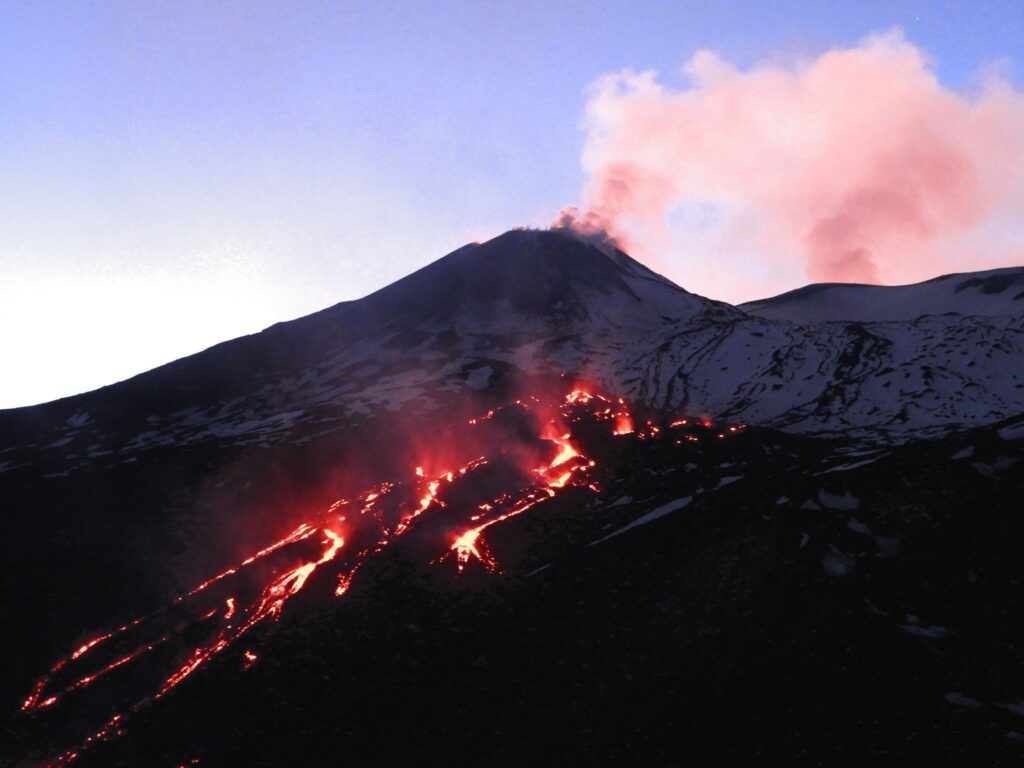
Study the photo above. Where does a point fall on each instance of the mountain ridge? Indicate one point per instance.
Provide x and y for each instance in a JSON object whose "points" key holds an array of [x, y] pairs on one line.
{"points": [[991, 292], [539, 303]]}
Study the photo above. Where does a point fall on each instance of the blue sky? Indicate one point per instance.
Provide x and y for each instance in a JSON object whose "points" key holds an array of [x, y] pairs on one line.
{"points": [[176, 174]]}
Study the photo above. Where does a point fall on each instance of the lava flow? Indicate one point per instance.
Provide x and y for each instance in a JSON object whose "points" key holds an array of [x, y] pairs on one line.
{"points": [[553, 476], [208, 621]]}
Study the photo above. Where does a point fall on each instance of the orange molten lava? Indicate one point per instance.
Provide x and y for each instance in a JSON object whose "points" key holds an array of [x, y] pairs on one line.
{"points": [[470, 544], [623, 424], [227, 607]]}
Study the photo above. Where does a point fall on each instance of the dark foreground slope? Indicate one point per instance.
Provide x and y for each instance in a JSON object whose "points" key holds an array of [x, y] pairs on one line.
{"points": [[785, 603]]}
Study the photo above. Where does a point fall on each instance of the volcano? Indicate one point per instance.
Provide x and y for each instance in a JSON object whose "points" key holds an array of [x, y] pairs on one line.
{"points": [[534, 500]]}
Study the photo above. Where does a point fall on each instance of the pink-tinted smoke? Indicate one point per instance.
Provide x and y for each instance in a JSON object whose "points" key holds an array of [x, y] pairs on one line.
{"points": [[858, 163]]}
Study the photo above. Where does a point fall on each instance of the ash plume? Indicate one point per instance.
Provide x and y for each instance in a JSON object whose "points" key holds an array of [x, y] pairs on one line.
{"points": [[857, 165]]}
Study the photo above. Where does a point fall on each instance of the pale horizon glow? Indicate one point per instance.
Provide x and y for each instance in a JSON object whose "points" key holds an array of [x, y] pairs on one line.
{"points": [[177, 175]]}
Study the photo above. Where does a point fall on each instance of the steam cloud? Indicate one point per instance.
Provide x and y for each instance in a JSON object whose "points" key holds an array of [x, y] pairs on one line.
{"points": [[859, 164]]}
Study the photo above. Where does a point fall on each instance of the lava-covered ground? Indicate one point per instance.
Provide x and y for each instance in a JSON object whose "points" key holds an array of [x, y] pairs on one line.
{"points": [[650, 592]]}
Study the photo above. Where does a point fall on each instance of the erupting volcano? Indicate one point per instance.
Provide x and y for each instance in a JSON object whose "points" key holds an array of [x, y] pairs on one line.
{"points": [[515, 496]]}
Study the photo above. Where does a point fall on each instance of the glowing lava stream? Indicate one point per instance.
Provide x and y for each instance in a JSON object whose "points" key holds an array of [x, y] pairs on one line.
{"points": [[221, 615], [268, 606], [469, 544], [236, 616]]}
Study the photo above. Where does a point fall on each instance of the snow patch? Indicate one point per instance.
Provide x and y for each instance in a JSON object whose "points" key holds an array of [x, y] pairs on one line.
{"points": [[1001, 464], [934, 632], [535, 571], [480, 378], [857, 526], [848, 467], [957, 699], [1016, 707], [79, 420], [654, 514], [846, 502], [837, 563], [874, 608], [1012, 432]]}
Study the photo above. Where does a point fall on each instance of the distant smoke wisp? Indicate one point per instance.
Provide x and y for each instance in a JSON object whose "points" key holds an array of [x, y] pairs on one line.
{"points": [[858, 164]]}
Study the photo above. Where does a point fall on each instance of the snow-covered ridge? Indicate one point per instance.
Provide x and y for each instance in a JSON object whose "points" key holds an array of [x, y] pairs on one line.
{"points": [[538, 303], [990, 293]]}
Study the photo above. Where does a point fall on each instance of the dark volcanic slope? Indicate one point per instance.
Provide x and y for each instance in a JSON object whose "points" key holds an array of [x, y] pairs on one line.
{"points": [[836, 584], [551, 278], [799, 606]]}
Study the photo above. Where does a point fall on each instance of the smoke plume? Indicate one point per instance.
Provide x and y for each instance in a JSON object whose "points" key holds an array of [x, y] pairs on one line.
{"points": [[857, 165]]}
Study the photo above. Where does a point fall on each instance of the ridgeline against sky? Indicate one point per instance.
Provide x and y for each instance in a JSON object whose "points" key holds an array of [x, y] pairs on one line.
{"points": [[177, 175]]}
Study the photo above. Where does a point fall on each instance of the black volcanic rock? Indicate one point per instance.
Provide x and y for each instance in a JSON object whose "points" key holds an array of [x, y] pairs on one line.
{"points": [[534, 273]]}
